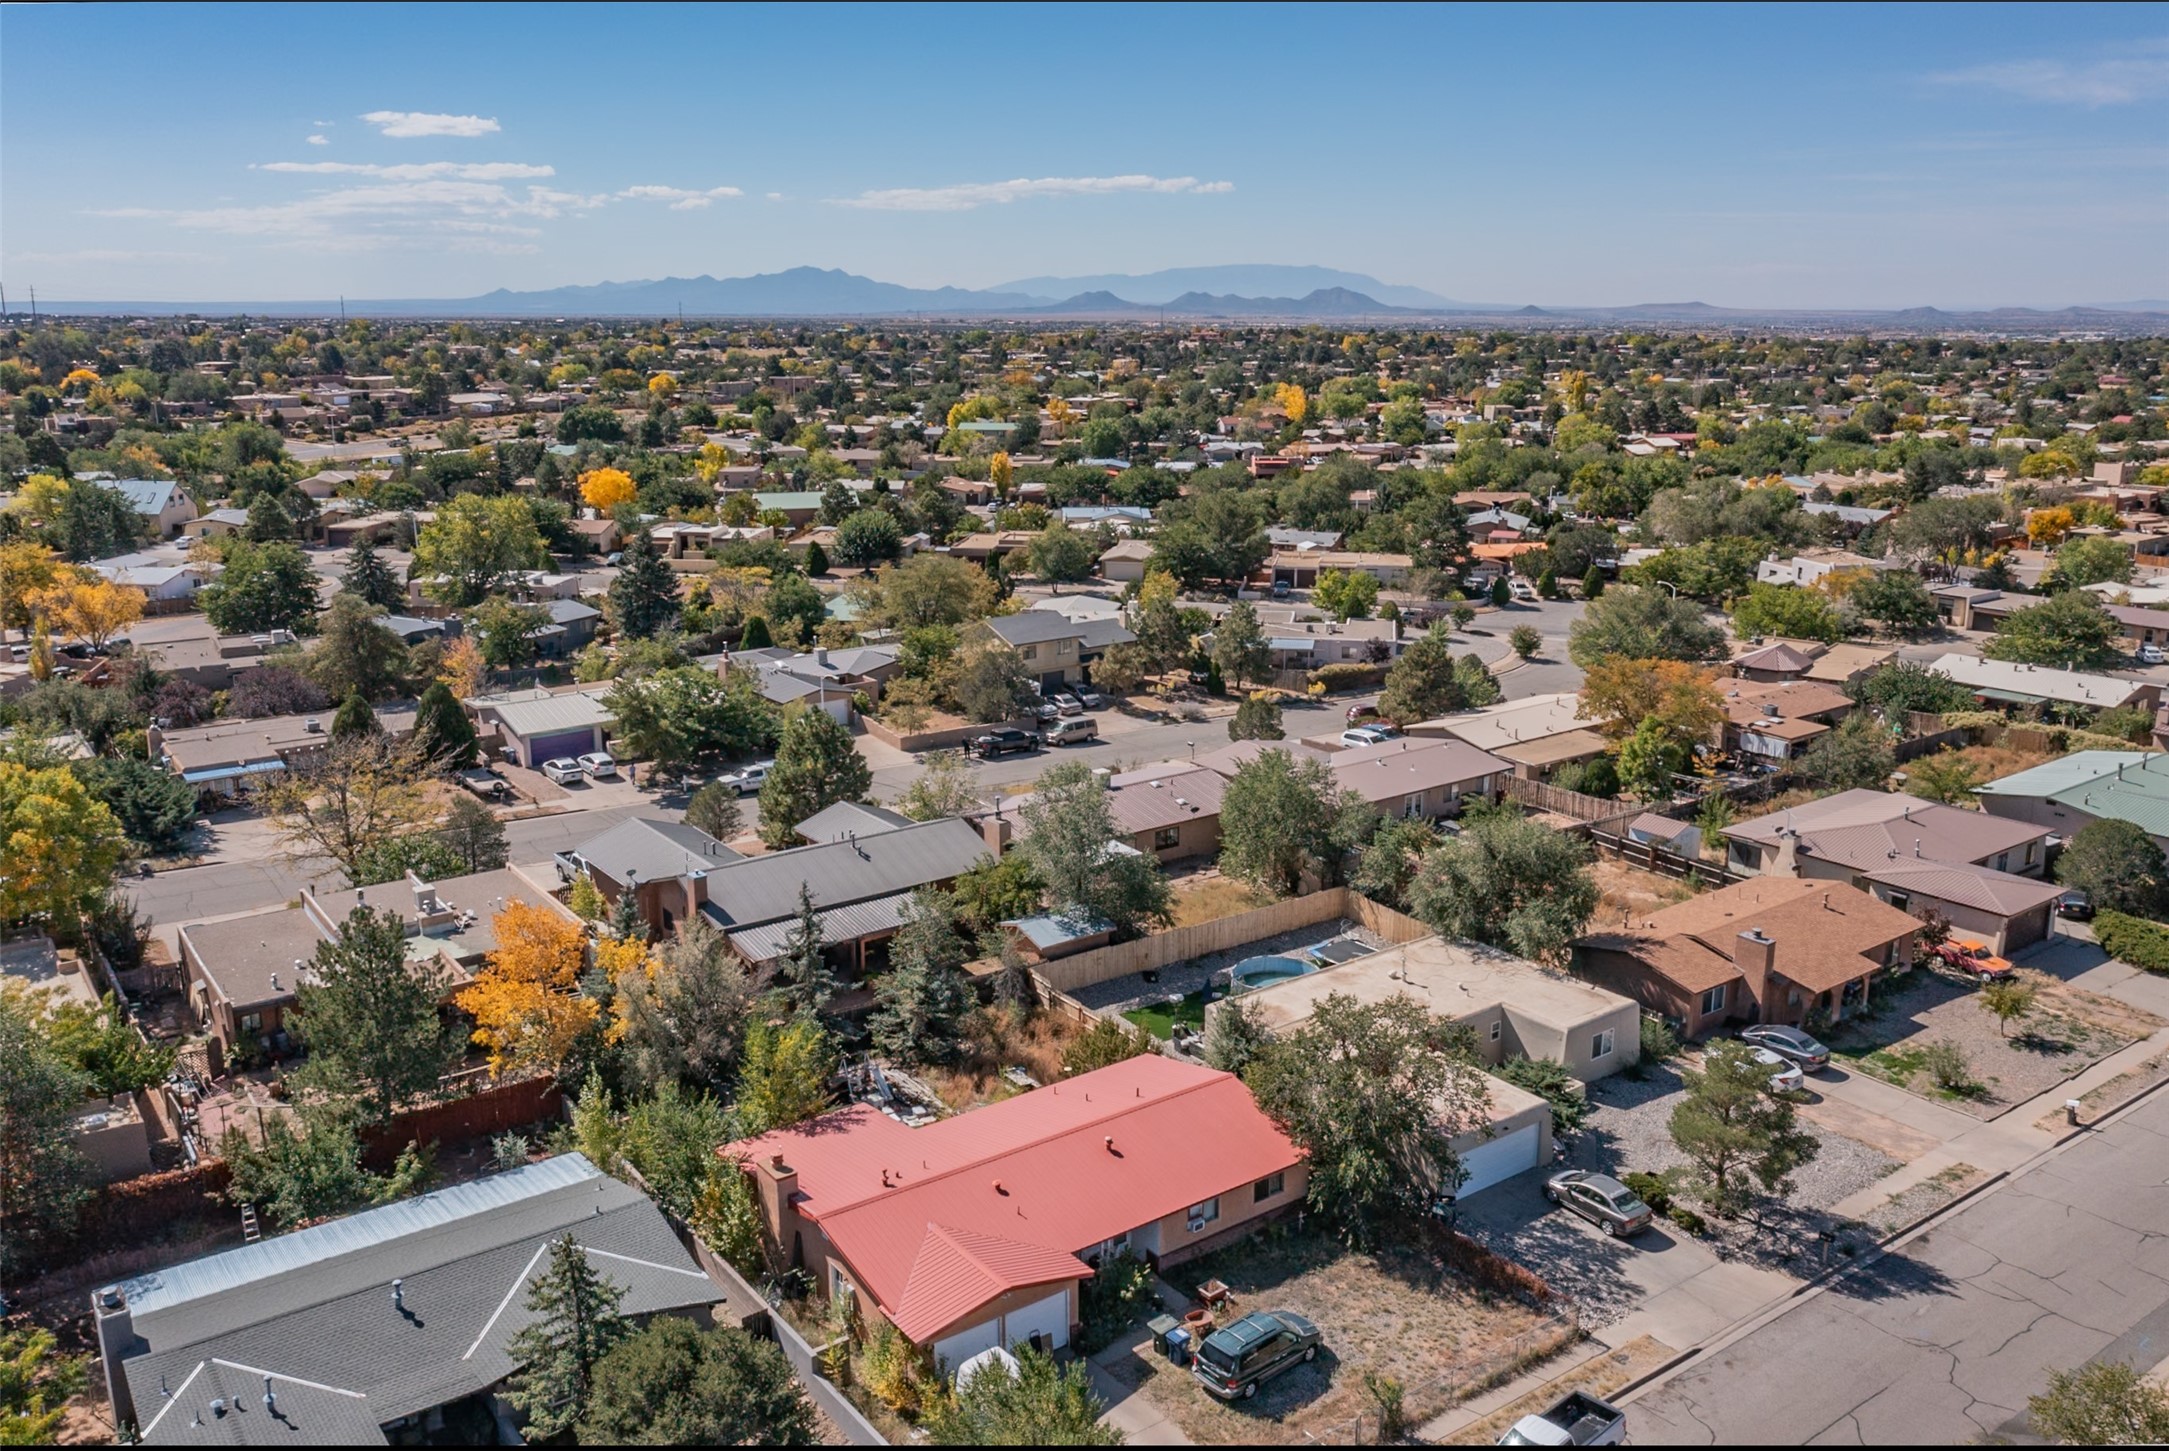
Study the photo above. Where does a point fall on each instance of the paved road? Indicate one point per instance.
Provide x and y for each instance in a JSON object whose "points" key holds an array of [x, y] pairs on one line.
{"points": [[1942, 1342]]}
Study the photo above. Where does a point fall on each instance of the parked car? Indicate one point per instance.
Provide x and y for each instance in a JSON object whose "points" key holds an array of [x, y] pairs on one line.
{"points": [[1790, 1044], [1600, 1199], [1067, 704], [564, 770], [2153, 655], [2076, 905], [1236, 1359], [1784, 1077], [1088, 697], [1366, 735], [600, 764], [1576, 1419], [1046, 709], [1970, 954], [1001, 742], [1280, 589], [1522, 590], [1360, 713], [1070, 731], [746, 780]]}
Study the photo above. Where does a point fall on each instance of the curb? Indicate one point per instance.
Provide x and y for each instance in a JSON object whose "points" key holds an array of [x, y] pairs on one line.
{"points": [[1649, 1376]]}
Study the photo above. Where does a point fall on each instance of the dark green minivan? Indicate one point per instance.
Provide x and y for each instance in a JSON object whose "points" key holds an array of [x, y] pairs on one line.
{"points": [[1236, 1359]]}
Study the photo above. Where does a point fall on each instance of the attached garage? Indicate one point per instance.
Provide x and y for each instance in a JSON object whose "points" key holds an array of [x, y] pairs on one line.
{"points": [[543, 724], [1048, 1319], [952, 1351], [2026, 929], [560, 743], [1509, 1154]]}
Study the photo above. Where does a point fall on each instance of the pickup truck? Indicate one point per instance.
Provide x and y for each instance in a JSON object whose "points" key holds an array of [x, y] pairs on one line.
{"points": [[1576, 1420]]}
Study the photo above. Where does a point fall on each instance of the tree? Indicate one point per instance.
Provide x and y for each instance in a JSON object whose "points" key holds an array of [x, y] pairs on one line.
{"points": [[93, 523], [369, 1020], [264, 587], [1235, 1035], [2071, 631], [945, 786], [805, 982], [1946, 777], [787, 1073], [474, 544], [675, 1384], [274, 690], [91, 610], [1061, 553], [1649, 759], [644, 598], [1855, 756], [1642, 623], [369, 579], [1037, 1404], [61, 846], [816, 767], [1282, 819], [268, 520], [681, 1012], [355, 655], [1107, 1042], [354, 720], [676, 716], [1479, 687], [1349, 594], [474, 835], [309, 1166], [1904, 686], [523, 1003], [1623, 694], [921, 1004], [2009, 1000], [1508, 881], [339, 802], [35, 1386], [996, 890], [1896, 599], [868, 537], [1423, 684], [1256, 718], [575, 1324], [605, 489], [153, 807], [2104, 1404], [1525, 640], [1552, 1081], [1787, 610], [2119, 868], [2093, 560], [27, 569], [1373, 1093], [992, 685], [1592, 583], [755, 636], [1240, 648], [795, 610], [1068, 829], [443, 735], [932, 589], [43, 1176], [714, 809], [1730, 1127]]}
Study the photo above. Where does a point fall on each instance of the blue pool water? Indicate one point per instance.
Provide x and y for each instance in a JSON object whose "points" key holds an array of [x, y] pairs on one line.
{"points": [[1257, 972]]}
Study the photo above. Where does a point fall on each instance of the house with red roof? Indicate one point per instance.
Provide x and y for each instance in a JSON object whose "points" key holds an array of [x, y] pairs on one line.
{"points": [[980, 1230]]}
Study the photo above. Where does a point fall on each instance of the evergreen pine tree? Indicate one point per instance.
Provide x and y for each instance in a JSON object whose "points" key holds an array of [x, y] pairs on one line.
{"points": [[644, 597], [924, 999], [816, 767], [576, 1324], [355, 718], [369, 578], [816, 558], [803, 978], [441, 729], [1592, 583], [626, 923], [755, 635]]}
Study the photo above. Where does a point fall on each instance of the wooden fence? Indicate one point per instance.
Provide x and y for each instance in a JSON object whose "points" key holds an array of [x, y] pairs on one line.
{"points": [[493, 1110], [1652, 857], [1104, 964]]}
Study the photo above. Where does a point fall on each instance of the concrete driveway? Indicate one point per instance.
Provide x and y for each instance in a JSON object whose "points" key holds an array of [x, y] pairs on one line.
{"points": [[1661, 1283]]}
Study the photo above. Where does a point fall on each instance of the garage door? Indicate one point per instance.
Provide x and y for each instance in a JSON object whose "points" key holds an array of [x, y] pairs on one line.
{"points": [[1501, 1158], [952, 1351], [1048, 1319], [2025, 930], [560, 743]]}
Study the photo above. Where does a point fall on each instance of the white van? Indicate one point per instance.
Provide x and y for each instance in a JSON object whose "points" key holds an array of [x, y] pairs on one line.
{"points": [[1071, 730]]}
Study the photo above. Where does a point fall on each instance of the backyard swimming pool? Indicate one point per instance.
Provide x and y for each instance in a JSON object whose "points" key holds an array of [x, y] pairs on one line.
{"points": [[1257, 972]]}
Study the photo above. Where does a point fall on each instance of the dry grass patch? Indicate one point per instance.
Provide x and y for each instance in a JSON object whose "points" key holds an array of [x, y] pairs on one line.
{"points": [[1626, 890], [996, 1039], [1601, 1375], [1209, 898]]}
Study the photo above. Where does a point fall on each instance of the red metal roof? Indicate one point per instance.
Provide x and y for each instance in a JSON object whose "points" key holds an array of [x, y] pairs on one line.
{"points": [[1007, 1196]]}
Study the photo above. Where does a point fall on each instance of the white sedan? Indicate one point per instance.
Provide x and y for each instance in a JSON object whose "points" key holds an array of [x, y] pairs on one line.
{"points": [[564, 770], [599, 765], [1785, 1075]]}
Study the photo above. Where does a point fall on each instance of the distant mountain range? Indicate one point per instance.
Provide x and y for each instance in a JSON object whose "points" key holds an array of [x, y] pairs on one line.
{"points": [[1261, 293]]}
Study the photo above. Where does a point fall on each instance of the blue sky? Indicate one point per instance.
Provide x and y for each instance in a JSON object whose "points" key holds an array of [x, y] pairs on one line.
{"points": [[1779, 157]]}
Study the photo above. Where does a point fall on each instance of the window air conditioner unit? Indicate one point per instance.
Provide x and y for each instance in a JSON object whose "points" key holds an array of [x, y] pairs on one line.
{"points": [[1196, 1225]]}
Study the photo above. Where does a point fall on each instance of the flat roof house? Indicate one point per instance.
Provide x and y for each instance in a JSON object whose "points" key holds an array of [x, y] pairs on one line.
{"points": [[1535, 736], [367, 1329], [1771, 950], [978, 1231], [2005, 682]]}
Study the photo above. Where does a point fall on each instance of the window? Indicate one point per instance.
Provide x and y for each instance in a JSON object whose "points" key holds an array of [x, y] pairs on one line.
{"points": [[1267, 1187], [1900, 900], [1713, 1001], [1065, 647], [1600, 1044], [1743, 855], [2033, 852], [1497, 1028], [1166, 837], [252, 1022], [2003, 860], [839, 1284], [1029, 652], [1205, 1213]]}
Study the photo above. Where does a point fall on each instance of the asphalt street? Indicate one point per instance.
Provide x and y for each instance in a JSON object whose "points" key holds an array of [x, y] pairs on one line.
{"points": [[1941, 1342]]}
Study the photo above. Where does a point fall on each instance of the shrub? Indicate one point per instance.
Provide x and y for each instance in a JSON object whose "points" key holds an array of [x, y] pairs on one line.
{"points": [[895, 1372], [1110, 1040], [1551, 1082], [1946, 1064], [1659, 1043], [1114, 1300], [1652, 1189], [1351, 676], [1686, 1219], [2134, 940]]}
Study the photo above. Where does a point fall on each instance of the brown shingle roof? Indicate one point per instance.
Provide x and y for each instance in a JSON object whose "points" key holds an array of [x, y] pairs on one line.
{"points": [[1827, 933]]}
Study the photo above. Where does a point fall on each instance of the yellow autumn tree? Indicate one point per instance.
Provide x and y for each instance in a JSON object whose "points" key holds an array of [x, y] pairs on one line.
{"points": [[462, 668], [525, 1002], [606, 488], [714, 458], [90, 609], [662, 385], [39, 497], [1000, 471], [1060, 414], [78, 378], [2048, 526], [1574, 389], [27, 568], [1293, 401]]}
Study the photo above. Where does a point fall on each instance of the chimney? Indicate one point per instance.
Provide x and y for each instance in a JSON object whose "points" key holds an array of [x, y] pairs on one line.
{"points": [[1104, 777], [116, 1339], [696, 891], [995, 830], [775, 1184], [1755, 954]]}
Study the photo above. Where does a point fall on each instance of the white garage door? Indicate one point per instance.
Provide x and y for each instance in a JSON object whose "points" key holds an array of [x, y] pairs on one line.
{"points": [[953, 1350], [1048, 1319], [1501, 1158]]}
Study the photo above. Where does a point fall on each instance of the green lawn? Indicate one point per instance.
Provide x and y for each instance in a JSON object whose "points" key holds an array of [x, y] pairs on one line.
{"points": [[1162, 1020]]}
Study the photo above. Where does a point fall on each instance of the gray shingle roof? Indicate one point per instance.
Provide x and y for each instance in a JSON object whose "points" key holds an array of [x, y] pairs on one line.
{"points": [[1037, 627], [765, 888], [314, 1309], [654, 850]]}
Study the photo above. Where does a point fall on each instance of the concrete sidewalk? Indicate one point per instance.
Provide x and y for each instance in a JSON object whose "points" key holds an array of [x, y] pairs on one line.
{"points": [[1128, 1410]]}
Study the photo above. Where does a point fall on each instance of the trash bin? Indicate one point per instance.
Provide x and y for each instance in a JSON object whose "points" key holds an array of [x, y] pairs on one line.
{"points": [[1178, 1345]]}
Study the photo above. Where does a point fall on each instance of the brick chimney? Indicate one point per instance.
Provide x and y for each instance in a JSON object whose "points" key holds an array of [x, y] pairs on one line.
{"points": [[995, 830], [776, 1182], [1755, 954]]}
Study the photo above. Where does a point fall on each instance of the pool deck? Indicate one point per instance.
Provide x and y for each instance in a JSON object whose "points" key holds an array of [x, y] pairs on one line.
{"points": [[1179, 980]]}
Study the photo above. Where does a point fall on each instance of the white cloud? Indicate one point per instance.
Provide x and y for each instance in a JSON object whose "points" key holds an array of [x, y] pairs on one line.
{"points": [[379, 215], [2140, 74], [775, 196], [967, 196], [320, 141], [415, 170], [406, 125], [680, 198]]}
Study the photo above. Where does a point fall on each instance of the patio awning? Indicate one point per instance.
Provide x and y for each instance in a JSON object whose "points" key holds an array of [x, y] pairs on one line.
{"points": [[228, 773]]}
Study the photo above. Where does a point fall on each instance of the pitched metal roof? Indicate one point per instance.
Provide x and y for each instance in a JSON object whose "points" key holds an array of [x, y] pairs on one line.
{"points": [[539, 712], [1983, 888], [654, 850], [765, 888], [845, 819], [1037, 627], [847, 923]]}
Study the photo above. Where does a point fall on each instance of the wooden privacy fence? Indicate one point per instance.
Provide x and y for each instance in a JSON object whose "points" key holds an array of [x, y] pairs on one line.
{"points": [[1665, 863], [1104, 964]]}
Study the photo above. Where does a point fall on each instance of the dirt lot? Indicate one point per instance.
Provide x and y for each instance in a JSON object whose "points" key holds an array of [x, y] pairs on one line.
{"points": [[997, 1039], [1208, 896], [1398, 1313], [1628, 889], [2068, 1030]]}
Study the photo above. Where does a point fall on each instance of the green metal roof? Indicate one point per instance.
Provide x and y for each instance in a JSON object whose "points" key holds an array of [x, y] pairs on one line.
{"points": [[2080, 768], [2128, 786]]}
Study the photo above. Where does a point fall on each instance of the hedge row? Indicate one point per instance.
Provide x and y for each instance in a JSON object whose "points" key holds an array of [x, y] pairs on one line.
{"points": [[2134, 940], [1351, 676]]}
